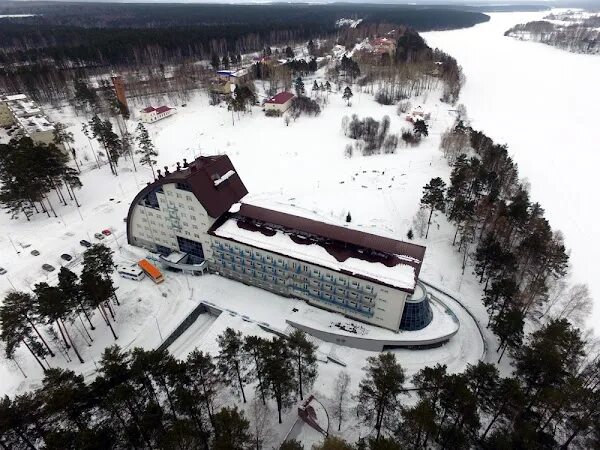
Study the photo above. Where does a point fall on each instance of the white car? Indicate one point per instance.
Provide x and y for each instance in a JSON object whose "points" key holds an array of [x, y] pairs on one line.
{"points": [[99, 236]]}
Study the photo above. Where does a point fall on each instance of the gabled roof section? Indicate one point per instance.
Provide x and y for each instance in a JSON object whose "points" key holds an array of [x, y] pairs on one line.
{"points": [[368, 256], [199, 177], [280, 98]]}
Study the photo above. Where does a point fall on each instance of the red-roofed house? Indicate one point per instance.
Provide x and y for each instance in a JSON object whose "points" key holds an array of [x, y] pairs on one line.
{"points": [[280, 102], [151, 114]]}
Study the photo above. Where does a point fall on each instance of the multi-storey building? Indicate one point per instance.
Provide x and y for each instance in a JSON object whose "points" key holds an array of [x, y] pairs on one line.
{"points": [[195, 211], [24, 114]]}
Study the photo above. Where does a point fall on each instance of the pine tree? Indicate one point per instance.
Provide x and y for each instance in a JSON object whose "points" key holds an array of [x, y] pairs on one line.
{"points": [[215, 61], [420, 128], [233, 361], [225, 62], [256, 347], [53, 307], [289, 53], [315, 87], [311, 47], [347, 95], [18, 327], [303, 352], [328, 86], [434, 198], [146, 148], [66, 398], [379, 390], [348, 217], [64, 137], [97, 291], [278, 368], [232, 430], [204, 379], [299, 86]]}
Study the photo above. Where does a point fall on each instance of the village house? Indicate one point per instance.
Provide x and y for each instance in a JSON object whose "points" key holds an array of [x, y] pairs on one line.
{"points": [[151, 114], [280, 102]]}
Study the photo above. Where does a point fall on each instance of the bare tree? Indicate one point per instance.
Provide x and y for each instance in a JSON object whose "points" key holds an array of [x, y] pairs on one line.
{"points": [[420, 222], [575, 305], [260, 424], [341, 396]]}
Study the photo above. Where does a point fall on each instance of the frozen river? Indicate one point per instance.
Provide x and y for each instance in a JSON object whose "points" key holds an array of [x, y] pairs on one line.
{"points": [[545, 104]]}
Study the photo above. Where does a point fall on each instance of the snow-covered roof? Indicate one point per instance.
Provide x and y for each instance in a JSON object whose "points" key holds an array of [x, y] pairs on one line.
{"points": [[401, 276], [224, 177], [364, 255]]}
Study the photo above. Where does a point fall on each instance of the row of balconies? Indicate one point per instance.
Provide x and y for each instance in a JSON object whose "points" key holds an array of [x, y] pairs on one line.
{"points": [[283, 270], [315, 289], [306, 294]]}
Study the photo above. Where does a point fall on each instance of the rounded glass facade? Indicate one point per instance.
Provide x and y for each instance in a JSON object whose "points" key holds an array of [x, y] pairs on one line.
{"points": [[417, 312]]}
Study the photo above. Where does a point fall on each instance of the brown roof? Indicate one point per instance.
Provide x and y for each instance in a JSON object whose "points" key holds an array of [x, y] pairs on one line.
{"points": [[199, 176], [340, 242], [280, 98]]}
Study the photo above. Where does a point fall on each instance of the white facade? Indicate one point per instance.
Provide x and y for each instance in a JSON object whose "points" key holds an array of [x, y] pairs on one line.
{"points": [[281, 107], [152, 115], [367, 301], [178, 213]]}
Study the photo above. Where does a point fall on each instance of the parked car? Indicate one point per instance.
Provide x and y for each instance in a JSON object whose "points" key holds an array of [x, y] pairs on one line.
{"points": [[2, 270], [99, 236], [106, 232], [85, 243], [66, 257], [35, 253], [48, 268]]}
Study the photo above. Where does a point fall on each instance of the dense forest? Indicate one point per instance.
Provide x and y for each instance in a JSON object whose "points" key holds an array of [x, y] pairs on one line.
{"points": [[113, 34], [578, 37]]}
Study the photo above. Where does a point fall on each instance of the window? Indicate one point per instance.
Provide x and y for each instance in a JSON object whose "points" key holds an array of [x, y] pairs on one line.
{"points": [[191, 247], [416, 315]]}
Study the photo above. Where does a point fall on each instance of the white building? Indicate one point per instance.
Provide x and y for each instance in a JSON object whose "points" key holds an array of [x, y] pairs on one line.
{"points": [[25, 117], [280, 102], [195, 211], [151, 114]]}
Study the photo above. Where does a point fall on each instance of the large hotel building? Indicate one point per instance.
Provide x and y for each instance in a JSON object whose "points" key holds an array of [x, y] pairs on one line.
{"points": [[192, 217]]}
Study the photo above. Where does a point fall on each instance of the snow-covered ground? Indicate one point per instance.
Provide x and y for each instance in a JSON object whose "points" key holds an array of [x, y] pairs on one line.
{"points": [[542, 102], [301, 165]]}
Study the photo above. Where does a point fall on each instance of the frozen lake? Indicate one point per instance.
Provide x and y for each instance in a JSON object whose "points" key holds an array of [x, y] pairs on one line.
{"points": [[545, 104]]}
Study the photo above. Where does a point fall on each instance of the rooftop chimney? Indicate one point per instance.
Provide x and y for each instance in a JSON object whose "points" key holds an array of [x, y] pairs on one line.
{"points": [[178, 166], [185, 163], [160, 175], [167, 170]]}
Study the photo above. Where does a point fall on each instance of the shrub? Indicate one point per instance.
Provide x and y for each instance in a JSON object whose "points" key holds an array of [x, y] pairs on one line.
{"points": [[384, 97], [305, 105], [409, 138], [403, 107], [272, 113]]}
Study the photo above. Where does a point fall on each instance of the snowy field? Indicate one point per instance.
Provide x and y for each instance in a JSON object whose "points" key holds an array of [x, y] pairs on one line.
{"points": [[303, 166], [544, 103]]}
